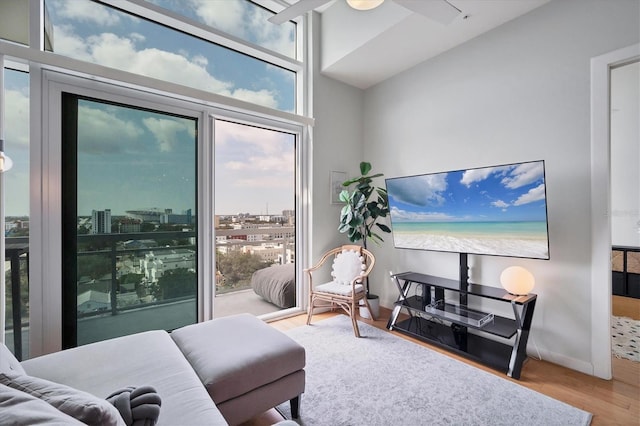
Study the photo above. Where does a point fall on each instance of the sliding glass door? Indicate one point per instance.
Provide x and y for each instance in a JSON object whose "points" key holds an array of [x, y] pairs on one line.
{"points": [[129, 234], [156, 213], [255, 218]]}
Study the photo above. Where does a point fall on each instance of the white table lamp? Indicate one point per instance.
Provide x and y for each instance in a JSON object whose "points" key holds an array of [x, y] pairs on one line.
{"points": [[517, 280]]}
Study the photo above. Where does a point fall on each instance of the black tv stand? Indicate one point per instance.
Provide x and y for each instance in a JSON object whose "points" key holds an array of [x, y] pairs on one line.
{"points": [[434, 320]]}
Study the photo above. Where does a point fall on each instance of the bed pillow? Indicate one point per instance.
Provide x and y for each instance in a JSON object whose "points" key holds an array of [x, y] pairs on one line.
{"points": [[80, 405], [20, 408]]}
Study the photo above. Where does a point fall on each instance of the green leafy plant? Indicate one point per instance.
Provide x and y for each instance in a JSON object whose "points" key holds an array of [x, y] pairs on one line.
{"points": [[364, 205]]}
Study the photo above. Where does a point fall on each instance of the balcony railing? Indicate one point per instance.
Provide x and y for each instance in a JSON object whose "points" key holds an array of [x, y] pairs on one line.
{"points": [[126, 272]]}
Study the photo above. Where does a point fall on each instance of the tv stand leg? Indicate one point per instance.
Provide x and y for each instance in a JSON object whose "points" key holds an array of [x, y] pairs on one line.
{"points": [[519, 352], [394, 317]]}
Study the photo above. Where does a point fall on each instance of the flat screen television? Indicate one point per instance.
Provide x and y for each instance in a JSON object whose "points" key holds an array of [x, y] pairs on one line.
{"points": [[498, 210]]}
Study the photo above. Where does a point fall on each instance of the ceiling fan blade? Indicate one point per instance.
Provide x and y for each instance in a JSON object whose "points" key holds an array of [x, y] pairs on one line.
{"points": [[439, 10], [296, 10]]}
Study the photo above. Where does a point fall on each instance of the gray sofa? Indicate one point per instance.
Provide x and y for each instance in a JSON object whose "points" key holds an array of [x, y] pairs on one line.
{"points": [[241, 363]]}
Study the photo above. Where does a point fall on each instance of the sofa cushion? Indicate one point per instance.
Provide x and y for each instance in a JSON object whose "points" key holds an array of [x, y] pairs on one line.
{"points": [[20, 408], [237, 354], [8, 362], [80, 405], [149, 358]]}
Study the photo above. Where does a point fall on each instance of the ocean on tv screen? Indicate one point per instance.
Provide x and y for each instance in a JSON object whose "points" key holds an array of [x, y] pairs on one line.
{"points": [[521, 239]]}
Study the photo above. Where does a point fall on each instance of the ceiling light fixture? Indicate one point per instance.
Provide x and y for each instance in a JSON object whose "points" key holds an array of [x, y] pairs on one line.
{"points": [[364, 4]]}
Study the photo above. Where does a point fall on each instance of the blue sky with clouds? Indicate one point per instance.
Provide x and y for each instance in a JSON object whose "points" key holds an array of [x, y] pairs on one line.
{"points": [[503, 193], [96, 33]]}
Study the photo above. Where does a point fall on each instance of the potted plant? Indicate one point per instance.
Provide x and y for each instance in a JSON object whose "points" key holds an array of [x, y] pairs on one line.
{"points": [[364, 205]]}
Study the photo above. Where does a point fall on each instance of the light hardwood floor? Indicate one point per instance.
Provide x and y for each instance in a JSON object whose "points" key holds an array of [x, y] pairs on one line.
{"points": [[613, 402]]}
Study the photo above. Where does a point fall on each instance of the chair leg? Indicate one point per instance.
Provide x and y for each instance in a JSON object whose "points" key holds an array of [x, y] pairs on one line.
{"points": [[310, 311], [354, 318]]}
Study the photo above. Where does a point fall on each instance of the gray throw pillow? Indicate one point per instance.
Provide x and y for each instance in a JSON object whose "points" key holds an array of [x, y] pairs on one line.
{"points": [[80, 405], [138, 406], [19, 408]]}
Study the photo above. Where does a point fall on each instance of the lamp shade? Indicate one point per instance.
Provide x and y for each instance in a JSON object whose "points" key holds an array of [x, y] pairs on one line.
{"points": [[364, 4], [517, 280]]}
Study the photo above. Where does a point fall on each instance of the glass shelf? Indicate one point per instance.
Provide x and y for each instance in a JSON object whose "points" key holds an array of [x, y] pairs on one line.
{"points": [[459, 314]]}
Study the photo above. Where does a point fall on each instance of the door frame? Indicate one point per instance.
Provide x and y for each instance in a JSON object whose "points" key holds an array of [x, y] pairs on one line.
{"points": [[45, 270], [601, 205], [45, 296]]}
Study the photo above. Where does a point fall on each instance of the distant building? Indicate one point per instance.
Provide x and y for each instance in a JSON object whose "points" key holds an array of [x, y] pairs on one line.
{"points": [[101, 221], [186, 218], [139, 244], [278, 253], [154, 265], [148, 215], [128, 225], [16, 224], [93, 301]]}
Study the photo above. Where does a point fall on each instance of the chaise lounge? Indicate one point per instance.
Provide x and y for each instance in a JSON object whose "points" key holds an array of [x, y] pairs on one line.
{"points": [[219, 372]]}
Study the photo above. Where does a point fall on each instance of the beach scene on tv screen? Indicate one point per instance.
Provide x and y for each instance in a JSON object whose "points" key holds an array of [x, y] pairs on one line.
{"points": [[491, 210]]}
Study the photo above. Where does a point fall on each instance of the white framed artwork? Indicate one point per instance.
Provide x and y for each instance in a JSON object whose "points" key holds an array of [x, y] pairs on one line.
{"points": [[336, 187]]}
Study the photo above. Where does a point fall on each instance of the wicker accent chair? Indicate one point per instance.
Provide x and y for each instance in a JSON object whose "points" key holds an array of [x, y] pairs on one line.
{"points": [[350, 265]]}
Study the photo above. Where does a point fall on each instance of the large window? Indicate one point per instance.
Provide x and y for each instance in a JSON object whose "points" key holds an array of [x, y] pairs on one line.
{"points": [[160, 165], [93, 32]]}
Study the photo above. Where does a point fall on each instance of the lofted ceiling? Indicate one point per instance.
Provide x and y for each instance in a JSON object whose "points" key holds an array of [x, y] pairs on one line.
{"points": [[363, 48]]}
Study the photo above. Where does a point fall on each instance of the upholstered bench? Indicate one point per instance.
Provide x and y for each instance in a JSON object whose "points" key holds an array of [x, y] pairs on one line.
{"points": [[246, 365]]}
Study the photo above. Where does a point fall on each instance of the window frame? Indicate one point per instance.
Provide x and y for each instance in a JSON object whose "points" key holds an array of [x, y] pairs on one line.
{"points": [[46, 321], [45, 188]]}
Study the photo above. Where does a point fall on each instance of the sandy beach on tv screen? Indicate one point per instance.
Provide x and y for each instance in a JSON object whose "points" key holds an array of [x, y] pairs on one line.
{"points": [[503, 246]]}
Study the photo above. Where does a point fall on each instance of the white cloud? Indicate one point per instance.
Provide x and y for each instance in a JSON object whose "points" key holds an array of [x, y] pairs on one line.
{"points": [[406, 216], [266, 182], [246, 21], [121, 53], [475, 175], [500, 204], [260, 97], [165, 131], [253, 157], [255, 138], [419, 190], [534, 194], [524, 174], [101, 132], [84, 11], [69, 44], [224, 15]]}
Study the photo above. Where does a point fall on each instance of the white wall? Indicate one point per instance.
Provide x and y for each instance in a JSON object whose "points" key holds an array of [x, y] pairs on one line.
{"points": [[337, 146], [625, 155], [520, 92]]}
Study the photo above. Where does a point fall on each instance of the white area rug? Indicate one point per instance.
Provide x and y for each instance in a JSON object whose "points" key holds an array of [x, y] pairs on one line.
{"points": [[625, 338], [382, 379]]}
